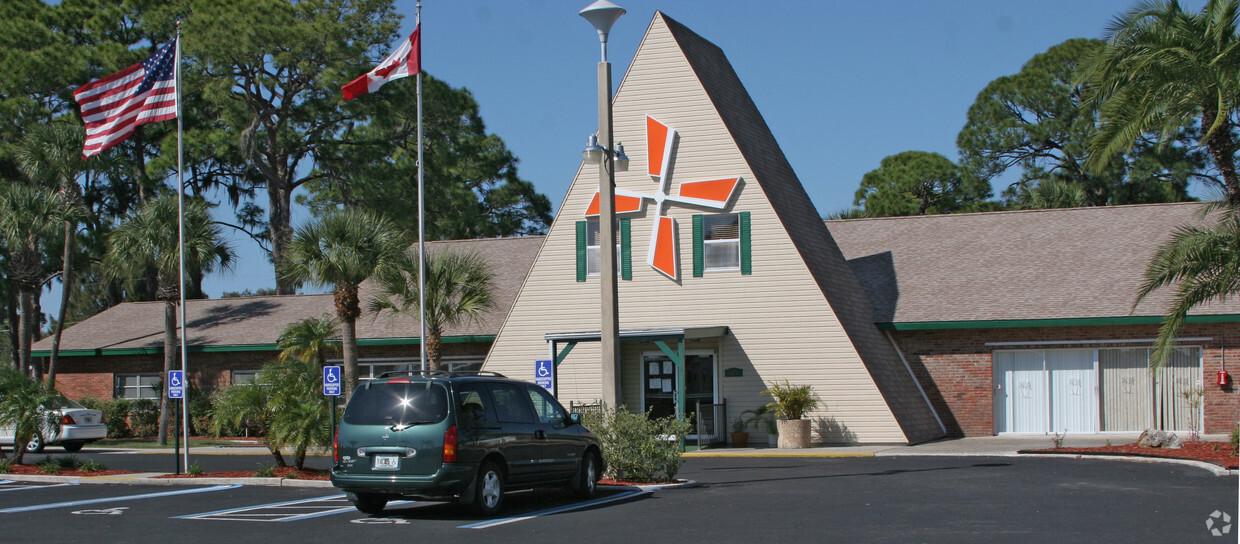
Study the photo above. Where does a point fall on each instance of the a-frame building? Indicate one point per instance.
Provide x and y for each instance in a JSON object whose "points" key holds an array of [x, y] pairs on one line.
{"points": [[743, 285]]}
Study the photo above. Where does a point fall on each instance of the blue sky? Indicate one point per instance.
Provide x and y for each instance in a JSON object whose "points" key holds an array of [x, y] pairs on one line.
{"points": [[841, 84]]}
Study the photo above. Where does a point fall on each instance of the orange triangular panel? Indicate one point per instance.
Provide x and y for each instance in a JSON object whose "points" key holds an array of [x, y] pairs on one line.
{"points": [[663, 247], [656, 145], [624, 204], [718, 190]]}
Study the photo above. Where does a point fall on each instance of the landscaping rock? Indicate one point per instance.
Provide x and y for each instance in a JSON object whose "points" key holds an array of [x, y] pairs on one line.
{"points": [[1172, 442], [1153, 438]]}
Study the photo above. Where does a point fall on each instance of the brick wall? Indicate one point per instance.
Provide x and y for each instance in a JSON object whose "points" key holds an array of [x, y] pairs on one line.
{"points": [[955, 367]]}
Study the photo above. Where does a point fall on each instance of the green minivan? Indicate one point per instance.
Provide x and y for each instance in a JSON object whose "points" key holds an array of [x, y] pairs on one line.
{"points": [[465, 437]]}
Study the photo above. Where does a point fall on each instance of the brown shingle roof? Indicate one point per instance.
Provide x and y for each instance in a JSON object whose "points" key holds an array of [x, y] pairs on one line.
{"points": [[259, 320], [1020, 265]]}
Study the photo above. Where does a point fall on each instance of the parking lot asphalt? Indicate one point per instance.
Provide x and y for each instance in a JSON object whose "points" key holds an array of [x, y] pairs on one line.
{"points": [[869, 499]]}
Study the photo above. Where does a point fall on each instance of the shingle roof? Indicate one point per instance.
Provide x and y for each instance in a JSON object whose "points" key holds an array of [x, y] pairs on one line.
{"points": [[259, 320], [1019, 265]]}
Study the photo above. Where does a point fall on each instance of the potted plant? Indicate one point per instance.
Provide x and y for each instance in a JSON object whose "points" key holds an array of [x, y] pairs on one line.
{"points": [[740, 437], [791, 403], [764, 420]]}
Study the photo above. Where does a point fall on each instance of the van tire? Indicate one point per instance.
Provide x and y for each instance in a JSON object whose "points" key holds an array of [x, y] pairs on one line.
{"points": [[489, 490], [369, 503]]}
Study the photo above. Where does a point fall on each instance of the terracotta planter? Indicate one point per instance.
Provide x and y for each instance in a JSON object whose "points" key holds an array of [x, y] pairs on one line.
{"points": [[794, 433], [740, 440]]}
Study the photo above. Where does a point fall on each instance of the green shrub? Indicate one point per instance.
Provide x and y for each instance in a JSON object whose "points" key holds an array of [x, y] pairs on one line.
{"points": [[49, 466], [199, 413], [68, 462], [6, 465], [116, 415], [195, 469], [143, 418], [1235, 440], [636, 447], [90, 465], [265, 471]]}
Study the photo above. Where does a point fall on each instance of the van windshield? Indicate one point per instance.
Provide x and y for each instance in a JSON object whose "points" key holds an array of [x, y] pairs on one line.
{"points": [[397, 404]]}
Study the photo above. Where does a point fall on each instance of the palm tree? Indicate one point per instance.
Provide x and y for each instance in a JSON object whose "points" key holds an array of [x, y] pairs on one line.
{"points": [[309, 339], [21, 401], [50, 156], [1162, 70], [149, 239], [246, 405], [342, 249], [458, 291], [29, 219], [300, 413], [1202, 262]]}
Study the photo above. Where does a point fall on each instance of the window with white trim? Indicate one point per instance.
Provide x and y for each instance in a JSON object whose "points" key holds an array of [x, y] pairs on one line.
{"points": [[592, 248], [245, 377], [721, 241], [138, 386]]}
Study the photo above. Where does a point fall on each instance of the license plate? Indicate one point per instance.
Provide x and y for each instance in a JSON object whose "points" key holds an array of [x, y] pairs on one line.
{"points": [[387, 462]]}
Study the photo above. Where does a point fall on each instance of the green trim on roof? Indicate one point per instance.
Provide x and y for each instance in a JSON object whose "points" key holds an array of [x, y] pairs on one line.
{"points": [[1064, 322], [153, 350]]}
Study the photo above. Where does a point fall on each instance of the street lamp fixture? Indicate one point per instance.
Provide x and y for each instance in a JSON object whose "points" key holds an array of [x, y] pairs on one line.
{"points": [[603, 14]]}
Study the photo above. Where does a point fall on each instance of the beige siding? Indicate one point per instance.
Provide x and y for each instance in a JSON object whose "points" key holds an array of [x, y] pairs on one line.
{"points": [[781, 324]]}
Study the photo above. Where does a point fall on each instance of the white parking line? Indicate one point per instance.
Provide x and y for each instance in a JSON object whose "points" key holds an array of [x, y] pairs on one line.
{"points": [[115, 499], [568, 508], [283, 511], [35, 486]]}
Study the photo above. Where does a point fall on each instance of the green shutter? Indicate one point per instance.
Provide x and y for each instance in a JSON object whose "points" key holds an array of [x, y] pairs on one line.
{"points": [[581, 251], [746, 252], [626, 250], [699, 262]]}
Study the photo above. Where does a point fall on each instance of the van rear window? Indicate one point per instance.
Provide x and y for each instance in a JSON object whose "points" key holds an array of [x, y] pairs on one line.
{"points": [[397, 404]]}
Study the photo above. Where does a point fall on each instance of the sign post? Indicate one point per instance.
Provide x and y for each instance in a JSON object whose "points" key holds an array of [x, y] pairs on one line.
{"points": [[331, 388], [544, 374], [176, 391]]}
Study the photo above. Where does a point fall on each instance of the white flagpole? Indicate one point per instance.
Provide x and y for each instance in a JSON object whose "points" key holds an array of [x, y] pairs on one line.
{"points": [[181, 249], [421, 210]]}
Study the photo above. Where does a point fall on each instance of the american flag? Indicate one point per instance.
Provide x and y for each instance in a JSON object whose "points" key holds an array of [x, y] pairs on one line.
{"points": [[143, 93]]}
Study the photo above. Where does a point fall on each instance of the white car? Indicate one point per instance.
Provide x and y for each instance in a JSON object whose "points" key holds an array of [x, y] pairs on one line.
{"points": [[78, 425]]}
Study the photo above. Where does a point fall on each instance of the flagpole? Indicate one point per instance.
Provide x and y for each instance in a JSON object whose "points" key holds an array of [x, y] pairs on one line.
{"points": [[181, 249], [421, 217]]}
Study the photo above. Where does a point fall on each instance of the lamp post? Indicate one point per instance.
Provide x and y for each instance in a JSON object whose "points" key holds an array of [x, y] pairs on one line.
{"points": [[602, 14]]}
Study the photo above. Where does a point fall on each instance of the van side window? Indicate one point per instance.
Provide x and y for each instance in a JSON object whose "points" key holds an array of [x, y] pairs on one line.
{"points": [[511, 404], [547, 408], [475, 406]]}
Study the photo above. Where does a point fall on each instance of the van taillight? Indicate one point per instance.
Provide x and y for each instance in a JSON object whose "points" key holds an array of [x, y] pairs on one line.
{"points": [[336, 446], [449, 445]]}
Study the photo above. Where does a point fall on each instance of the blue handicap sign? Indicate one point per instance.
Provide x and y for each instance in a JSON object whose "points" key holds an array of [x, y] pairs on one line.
{"points": [[331, 381], [176, 384], [544, 374]]}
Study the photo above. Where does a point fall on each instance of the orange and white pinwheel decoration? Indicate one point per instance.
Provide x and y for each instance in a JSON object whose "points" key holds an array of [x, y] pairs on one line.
{"points": [[714, 194]]}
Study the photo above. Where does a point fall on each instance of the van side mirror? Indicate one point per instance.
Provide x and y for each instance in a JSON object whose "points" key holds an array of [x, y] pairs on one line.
{"points": [[574, 419]]}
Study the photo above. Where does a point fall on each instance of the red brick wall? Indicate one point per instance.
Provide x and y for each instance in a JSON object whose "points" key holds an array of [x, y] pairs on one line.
{"points": [[955, 367]]}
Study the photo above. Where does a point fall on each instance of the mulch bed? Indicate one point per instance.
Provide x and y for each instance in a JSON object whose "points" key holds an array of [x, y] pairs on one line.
{"points": [[34, 469], [285, 472], [1218, 453]]}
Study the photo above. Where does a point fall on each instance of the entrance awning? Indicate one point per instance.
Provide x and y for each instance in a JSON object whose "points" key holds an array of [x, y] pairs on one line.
{"points": [[647, 334], [661, 336]]}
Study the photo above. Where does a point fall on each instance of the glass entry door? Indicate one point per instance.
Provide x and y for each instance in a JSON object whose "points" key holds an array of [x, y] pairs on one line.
{"points": [[659, 381]]}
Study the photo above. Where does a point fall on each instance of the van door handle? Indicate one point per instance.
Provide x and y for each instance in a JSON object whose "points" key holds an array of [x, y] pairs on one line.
{"points": [[540, 434]]}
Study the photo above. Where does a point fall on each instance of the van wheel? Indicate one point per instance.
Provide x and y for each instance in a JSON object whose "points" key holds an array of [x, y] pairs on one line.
{"points": [[369, 503], [489, 490], [73, 447], [587, 476]]}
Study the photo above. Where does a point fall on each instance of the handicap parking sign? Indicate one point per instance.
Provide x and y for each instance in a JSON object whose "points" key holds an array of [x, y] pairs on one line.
{"points": [[331, 381], [544, 375], [176, 384]]}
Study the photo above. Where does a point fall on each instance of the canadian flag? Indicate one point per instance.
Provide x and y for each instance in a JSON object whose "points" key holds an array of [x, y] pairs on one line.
{"points": [[406, 60]]}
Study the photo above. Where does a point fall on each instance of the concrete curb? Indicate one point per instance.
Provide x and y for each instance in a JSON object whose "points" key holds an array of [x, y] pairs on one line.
{"points": [[760, 454], [1203, 465]]}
